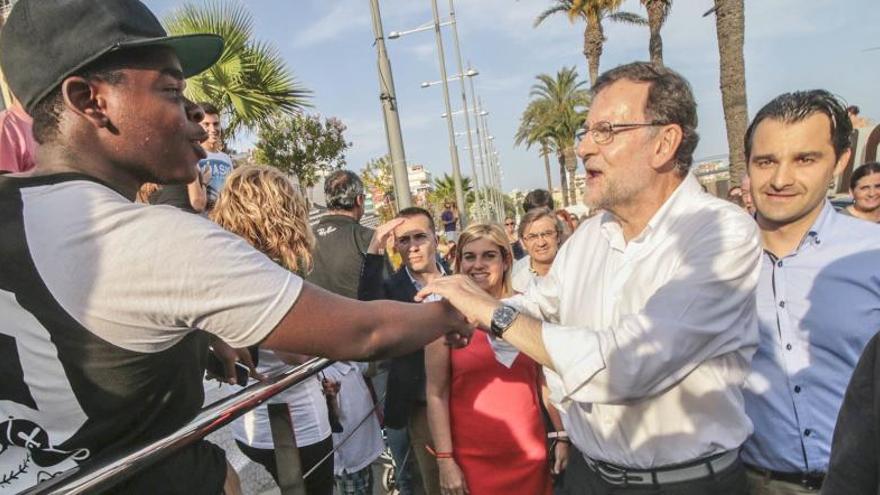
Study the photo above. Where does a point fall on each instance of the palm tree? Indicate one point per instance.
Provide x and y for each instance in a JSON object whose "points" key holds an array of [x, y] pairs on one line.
{"points": [[593, 12], [658, 10], [730, 29], [444, 188], [565, 101], [534, 129], [250, 82]]}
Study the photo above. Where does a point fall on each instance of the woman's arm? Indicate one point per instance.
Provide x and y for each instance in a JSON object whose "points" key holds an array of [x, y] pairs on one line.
{"points": [[438, 370]]}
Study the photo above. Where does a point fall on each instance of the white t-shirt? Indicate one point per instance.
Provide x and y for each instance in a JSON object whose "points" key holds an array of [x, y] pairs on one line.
{"points": [[100, 299], [308, 411]]}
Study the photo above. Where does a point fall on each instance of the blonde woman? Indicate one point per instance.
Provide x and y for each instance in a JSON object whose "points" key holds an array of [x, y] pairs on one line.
{"points": [[485, 416], [261, 205]]}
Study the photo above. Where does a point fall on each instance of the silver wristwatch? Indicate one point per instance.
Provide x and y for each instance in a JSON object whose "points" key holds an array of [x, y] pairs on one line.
{"points": [[502, 318]]}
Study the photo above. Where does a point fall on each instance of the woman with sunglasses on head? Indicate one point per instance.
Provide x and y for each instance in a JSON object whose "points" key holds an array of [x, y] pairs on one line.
{"points": [[516, 246], [484, 412], [261, 205]]}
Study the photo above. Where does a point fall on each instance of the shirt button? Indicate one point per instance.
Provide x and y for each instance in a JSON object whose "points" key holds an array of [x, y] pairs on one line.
{"points": [[797, 389], [779, 263], [781, 304], [808, 432], [787, 347]]}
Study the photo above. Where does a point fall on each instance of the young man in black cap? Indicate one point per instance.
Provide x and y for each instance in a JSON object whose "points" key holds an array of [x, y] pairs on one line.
{"points": [[98, 350]]}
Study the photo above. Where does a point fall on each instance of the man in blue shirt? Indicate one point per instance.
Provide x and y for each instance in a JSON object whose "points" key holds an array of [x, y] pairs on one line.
{"points": [[217, 162], [818, 297]]}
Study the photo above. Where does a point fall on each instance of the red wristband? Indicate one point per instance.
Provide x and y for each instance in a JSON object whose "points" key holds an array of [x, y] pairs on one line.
{"points": [[438, 455]]}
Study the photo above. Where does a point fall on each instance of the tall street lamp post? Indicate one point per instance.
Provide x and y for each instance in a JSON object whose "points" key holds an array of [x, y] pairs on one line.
{"points": [[391, 117], [464, 102], [453, 150]]}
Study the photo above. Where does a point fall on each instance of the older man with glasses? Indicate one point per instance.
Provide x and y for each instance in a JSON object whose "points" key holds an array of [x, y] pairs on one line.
{"points": [[646, 321], [540, 232]]}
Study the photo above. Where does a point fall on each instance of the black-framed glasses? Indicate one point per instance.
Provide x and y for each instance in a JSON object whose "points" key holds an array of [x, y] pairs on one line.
{"points": [[603, 132]]}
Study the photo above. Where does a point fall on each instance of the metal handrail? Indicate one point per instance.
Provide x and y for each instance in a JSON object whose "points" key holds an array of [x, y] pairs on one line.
{"points": [[103, 474]]}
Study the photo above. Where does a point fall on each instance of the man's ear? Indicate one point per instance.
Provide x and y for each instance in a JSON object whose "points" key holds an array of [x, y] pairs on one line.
{"points": [[669, 139], [842, 162], [83, 98]]}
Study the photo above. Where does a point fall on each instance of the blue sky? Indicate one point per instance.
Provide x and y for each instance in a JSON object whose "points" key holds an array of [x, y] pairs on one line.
{"points": [[790, 44]]}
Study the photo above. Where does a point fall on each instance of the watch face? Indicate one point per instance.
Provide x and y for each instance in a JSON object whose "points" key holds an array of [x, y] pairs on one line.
{"points": [[504, 316]]}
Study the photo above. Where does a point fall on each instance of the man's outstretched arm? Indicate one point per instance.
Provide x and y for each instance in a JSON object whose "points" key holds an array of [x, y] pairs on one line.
{"points": [[324, 324], [470, 299]]}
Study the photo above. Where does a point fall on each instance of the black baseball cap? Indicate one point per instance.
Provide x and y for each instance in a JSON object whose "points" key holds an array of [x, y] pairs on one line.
{"points": [[44, 41]]}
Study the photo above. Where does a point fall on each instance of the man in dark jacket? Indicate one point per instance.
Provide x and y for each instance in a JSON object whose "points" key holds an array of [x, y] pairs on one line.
{"points": [[854, 468], [405, 406]]}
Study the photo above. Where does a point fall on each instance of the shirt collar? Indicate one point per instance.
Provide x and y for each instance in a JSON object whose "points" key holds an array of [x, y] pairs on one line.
{"points": [[823, 224], [680, 201], [415, 282]]}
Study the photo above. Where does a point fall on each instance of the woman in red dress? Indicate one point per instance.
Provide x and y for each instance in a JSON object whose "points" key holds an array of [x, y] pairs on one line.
{"points": [[485, 417]]}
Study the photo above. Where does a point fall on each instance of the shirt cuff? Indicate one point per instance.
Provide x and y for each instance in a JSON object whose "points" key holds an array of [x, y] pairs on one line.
{"points": [[576, 354]]}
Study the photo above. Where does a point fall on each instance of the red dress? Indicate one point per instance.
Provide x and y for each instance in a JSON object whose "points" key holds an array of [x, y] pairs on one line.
{"points": [[498, 438]]}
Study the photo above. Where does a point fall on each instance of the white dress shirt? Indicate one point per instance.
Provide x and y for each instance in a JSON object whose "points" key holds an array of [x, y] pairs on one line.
{"points": [[652, 339], [521, 274]]}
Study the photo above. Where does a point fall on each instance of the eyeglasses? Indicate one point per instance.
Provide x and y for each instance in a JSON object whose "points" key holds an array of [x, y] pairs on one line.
{"points": [[547, 234], [603, 132]]}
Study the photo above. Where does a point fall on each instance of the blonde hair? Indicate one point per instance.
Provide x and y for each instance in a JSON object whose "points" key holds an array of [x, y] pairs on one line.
{"points": [[496, 234], [260, 204]]}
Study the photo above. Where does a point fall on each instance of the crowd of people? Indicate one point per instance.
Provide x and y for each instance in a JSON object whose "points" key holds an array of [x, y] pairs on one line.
{"points": [[672, 343]]}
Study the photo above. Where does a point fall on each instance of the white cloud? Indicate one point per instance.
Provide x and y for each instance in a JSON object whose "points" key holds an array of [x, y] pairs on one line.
{"points": [[339, 21]]}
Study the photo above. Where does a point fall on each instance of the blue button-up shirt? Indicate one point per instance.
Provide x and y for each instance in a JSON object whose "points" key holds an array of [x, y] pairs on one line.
{"points": [[817, 309]]}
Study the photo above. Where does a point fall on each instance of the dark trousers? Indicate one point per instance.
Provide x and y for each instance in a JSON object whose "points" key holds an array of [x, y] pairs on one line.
{"points": [[319, 482], [581, 480]]}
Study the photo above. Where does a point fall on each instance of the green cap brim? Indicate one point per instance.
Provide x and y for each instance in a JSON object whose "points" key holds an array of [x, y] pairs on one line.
{"points": [[196, 52]]}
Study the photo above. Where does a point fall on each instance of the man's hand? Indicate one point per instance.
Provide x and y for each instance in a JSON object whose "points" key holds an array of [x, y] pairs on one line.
{"points": [[331, 388], [229, 356], [381, 235], [464, 295], [460, 333], [560, 458]]}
